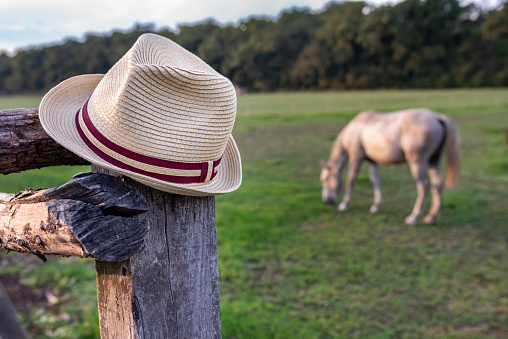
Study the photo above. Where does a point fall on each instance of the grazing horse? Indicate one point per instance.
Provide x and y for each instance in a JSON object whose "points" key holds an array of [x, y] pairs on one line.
{"points": [[416, 136]]}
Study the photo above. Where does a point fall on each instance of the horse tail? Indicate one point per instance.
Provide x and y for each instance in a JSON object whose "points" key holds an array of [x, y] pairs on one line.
{"points": [[452, 149]]}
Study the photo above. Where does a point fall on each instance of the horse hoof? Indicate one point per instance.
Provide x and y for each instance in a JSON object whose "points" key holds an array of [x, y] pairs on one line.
{"points": [[374, 209], [342, 207], [410, 220], [430, 220]]}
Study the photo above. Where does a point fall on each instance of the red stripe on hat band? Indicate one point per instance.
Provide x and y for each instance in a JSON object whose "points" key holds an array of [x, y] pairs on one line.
{"points": [[201, 166]]}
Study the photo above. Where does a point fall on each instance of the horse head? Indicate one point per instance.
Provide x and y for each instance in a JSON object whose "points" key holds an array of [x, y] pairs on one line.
{"points": [[330, 182]]}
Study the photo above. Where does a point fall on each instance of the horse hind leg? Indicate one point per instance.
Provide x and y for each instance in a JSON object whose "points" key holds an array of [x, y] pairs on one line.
{"points": [[436, 180], [437, 191], [418, 170]]}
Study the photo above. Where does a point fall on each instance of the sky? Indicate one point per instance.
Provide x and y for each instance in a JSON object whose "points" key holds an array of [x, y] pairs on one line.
{"points": [[31, 23]]}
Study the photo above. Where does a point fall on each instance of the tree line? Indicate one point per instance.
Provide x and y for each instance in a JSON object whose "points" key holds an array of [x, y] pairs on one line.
{"points": [[346, 45]]}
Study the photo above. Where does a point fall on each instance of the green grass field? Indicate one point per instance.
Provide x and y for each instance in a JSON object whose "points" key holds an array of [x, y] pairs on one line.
{"points": [[291, 267]]}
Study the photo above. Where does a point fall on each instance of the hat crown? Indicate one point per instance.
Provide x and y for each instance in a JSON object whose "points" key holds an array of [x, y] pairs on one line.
{"points": [[164, 102], [160, 116]]}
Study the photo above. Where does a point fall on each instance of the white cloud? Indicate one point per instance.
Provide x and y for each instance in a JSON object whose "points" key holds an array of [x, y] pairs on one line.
{"points": [[14, 27], [7, 46]]}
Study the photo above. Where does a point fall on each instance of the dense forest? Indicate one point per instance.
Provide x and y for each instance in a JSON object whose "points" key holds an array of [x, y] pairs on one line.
{"points": [[346, 45]]}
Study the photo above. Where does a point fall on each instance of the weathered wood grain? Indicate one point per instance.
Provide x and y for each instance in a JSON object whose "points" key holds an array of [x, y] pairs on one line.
{"points": [[116, 306], [24, 144], [171, 287], [89, 216]]}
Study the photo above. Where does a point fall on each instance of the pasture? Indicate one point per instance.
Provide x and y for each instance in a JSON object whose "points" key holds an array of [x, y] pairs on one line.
{"points": [[292, 267]]}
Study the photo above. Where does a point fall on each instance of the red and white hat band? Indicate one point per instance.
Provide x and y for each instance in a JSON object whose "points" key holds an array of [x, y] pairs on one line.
{"points": [[165, 170]]}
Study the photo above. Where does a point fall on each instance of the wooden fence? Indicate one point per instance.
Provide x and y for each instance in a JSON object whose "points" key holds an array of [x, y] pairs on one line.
{"points": [[155, 252]]}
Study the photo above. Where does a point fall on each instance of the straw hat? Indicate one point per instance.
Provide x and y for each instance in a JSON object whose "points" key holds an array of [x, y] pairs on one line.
{"points": [[161, 116]]}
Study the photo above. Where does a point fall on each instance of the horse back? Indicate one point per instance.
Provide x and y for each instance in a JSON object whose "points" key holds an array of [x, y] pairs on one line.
{"points": [[394, 137], [422, 133]]}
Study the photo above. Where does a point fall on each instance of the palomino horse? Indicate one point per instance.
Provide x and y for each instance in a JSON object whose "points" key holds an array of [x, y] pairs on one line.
{"points": [[417, 136]]}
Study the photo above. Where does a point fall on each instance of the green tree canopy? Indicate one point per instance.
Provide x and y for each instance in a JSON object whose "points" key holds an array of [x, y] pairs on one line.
{"points": [[413, 44]]}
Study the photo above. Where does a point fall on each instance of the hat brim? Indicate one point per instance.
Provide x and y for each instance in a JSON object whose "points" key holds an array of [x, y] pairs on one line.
{"points": [[57, 113]]}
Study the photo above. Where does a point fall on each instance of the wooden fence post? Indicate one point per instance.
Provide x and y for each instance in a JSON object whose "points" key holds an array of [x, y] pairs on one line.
{"points": [[170, 289], [10, 327]]}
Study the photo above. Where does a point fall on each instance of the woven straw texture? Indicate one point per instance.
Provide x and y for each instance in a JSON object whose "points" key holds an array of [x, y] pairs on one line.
{"points": [[160, 101]]}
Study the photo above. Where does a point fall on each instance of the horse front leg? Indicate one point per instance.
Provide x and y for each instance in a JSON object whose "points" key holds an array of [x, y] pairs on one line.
{"points": [[374, 180], [419, 173], [354, 167], [437, 190]]}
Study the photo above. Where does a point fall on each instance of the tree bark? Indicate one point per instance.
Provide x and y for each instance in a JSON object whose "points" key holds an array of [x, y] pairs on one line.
{"points": [[24, 144], [170, 289], [89, 216]]}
